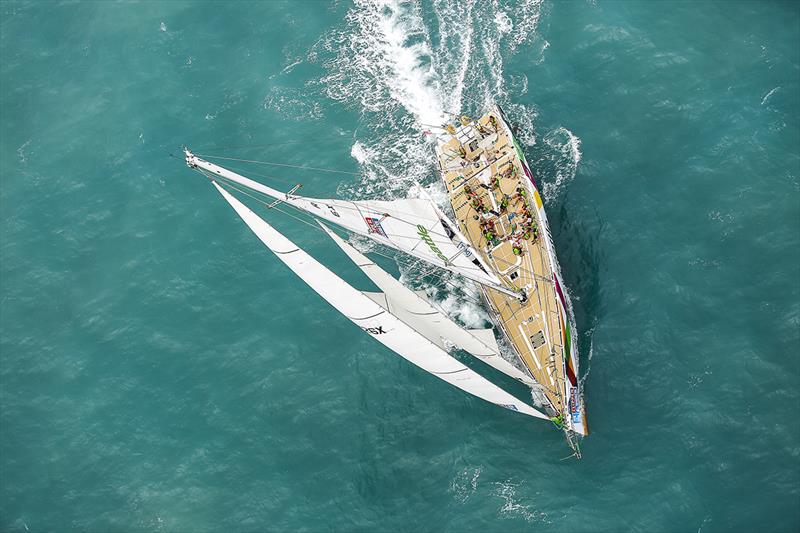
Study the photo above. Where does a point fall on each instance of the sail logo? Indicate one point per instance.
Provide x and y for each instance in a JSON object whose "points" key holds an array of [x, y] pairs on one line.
{"points": [[465, 248], [426, 238], [575, 405], [374, 226]]}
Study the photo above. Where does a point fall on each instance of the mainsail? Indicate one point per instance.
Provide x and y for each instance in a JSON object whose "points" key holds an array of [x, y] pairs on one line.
{"points": [[384, 326], [418, 313], [414, 226]]}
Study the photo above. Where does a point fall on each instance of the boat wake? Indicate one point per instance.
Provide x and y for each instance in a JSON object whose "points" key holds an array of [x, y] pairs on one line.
{"points": [[565, 156], [514, 507], [465, 483]]}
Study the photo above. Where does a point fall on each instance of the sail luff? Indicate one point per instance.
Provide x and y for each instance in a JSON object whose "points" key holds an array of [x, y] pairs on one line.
{"points": [[385, 327], [369, 219]]}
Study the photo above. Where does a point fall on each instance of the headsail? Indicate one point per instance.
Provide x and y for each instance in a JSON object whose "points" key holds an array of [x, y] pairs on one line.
{"points": [[413, 226], [426, 319], [372, 318]]}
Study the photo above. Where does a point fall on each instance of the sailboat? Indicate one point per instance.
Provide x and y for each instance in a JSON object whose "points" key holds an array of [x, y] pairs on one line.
{"points": [[498, 238]]}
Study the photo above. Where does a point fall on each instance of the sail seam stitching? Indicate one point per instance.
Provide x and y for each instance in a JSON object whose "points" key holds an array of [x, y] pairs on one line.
{"points": [[367, 317]]}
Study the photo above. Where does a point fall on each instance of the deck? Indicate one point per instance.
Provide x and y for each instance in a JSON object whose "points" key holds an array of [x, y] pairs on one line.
{"points": [[496, 209]]}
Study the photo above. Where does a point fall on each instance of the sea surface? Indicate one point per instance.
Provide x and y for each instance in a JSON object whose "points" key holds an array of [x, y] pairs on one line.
{"points": [[160, 370]]}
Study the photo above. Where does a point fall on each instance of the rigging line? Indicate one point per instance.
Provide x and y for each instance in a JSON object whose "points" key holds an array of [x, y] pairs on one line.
{"points": [[431, 273], [316, 227], [399, 260], [276, 178], [281, 164], [422, 274], [404, 221], [560, 393], [408, 263], [264, 199], [230, 183], [433, 231], [355, 208], [343, 205], [403, 262], [270, 145]]}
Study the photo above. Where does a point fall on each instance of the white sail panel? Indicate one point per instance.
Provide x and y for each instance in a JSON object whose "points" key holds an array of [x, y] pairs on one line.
{"points": [[413, 226], [487, 336], [418, 313], [373, 319], [423, 328]]}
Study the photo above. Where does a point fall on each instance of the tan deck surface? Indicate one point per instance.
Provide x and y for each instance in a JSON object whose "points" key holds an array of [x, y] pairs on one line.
{"points": [[532, 270]]}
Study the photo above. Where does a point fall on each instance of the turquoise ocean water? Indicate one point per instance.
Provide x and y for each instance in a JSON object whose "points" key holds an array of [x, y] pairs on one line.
{"points": [[161, 371]]}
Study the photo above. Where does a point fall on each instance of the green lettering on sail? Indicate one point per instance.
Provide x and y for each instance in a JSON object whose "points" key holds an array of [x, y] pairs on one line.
{"points": [[423, 233]]}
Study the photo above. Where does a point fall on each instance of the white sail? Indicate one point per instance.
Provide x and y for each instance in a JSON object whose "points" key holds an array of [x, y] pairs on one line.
{"points": [[415, 227], [372, 318], [418, 313]]}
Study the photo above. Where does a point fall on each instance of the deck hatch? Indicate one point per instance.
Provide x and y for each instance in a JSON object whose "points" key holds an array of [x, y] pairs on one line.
{"points": [[537, 339]]}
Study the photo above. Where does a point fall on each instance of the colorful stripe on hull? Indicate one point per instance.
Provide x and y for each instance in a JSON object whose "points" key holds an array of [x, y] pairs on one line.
{"points": [[567, 336]]}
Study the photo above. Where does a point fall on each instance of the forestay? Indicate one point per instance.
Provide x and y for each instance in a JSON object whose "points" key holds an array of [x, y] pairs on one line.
{"points": [[418, 313], [373, 319], [413, 226]]}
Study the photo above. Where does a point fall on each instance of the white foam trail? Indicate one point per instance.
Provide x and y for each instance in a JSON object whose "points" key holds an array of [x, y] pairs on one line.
{"points": [[526, 15], [413, 83], [358, 152], [504, 24], [514, 507], [452, 60], [567, 146], [21, 152], [574, 147], [469, 313], [465, 483], [766, 97], [290, 66], [588, 360], [385, 52], [385, 59]]}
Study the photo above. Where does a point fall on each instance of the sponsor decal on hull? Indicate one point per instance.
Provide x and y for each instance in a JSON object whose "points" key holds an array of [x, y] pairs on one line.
{"points": [[575, 406]]}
